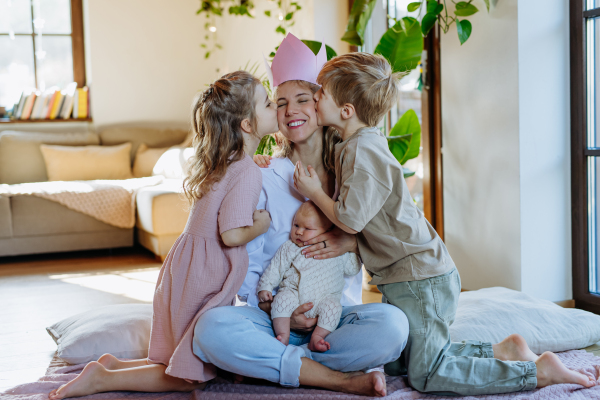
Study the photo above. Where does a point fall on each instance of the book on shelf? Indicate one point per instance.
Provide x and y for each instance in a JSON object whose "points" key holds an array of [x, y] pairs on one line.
{"points": [[54, 103]]}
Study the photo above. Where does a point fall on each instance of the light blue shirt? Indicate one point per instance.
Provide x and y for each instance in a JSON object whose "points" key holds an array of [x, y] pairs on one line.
{"points": [[282, 200]]}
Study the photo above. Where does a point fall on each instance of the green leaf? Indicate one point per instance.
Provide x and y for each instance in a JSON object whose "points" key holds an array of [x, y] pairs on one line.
{"points": [[357, 21], [407, 172], [413, 6], [427, 23], [289, 16], [405, 137], [280, 29], [272, 54], [266, 145], [487, 4], [207, 54], [268, 13], [431, 5], [464, 9], [401, 48], [464, 29], [316, 46]]}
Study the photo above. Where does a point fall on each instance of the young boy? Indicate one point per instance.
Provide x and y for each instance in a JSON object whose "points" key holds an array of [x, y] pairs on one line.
{"points": [[400, 249]]}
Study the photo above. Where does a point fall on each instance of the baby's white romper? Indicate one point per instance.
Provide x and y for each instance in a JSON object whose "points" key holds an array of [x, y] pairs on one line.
{"points": [[303, 280]]}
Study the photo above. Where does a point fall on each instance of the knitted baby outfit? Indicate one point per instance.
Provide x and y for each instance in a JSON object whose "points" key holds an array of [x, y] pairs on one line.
{"points": [[303, 280]]}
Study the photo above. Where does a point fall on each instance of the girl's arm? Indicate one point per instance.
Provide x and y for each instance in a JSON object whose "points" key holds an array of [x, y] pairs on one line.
{"points": [[240, 236]]}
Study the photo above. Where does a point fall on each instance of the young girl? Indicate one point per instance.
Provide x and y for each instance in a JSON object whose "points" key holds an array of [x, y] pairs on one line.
{"points": [[207, 264]]}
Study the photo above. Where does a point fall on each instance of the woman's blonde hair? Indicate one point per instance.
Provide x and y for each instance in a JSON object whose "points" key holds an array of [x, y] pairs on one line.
{"points": [[331, 137], [217, 115]]}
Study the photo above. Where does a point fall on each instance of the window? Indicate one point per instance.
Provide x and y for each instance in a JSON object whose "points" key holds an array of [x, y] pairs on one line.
{"points": [[585, 150], [41, 45]]}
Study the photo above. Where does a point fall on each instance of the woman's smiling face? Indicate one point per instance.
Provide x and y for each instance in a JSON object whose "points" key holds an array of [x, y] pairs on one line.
{"points": [[296, 113]]}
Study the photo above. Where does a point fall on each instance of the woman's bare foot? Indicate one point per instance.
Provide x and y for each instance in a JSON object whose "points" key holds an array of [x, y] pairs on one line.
{"points": [[317, 343], [88, 382], [551, 371], [371, 384], [283, 338], [513, 348]]}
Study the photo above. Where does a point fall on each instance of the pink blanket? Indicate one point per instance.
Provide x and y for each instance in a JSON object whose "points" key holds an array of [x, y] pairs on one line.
{"points": [[220, 389]]}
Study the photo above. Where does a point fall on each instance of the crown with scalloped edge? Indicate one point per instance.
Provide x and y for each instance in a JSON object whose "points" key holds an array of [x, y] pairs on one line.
{"points": [[295, 61]]}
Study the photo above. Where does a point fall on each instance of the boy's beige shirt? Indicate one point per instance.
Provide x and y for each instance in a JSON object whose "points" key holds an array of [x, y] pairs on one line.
{"points": [[396, 242]]}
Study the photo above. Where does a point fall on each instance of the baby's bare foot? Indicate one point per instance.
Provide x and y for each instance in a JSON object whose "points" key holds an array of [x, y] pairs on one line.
{"points": [[371, 384], [88, 382], [551, 371], [513, 348], [285, 339], [318, 344]]}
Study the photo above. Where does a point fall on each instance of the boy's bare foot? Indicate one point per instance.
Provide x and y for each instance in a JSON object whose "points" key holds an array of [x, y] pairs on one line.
{"points": [[285, 339], [371, 384], [318, 344], [88, 382], [513, 348], [551, 371]]}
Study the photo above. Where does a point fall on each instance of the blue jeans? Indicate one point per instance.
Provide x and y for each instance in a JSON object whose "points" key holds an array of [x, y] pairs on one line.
{"points": [[241, 340], [434, 363]]}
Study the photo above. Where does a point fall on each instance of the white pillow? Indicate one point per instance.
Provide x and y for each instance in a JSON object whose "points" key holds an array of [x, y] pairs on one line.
{"points": [[122, 330], [173, 163], [490, 315]]}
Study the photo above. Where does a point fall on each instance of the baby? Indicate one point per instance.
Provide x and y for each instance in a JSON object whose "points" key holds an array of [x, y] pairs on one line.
{"points": [[302, 280]]}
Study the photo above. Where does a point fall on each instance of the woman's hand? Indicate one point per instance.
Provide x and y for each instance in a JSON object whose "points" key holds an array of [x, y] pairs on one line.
{"points": [[265, 295], [330, 244], [262, 160], [307, 185], [299, 322]]}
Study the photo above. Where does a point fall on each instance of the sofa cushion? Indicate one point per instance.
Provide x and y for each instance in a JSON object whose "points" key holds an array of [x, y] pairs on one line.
{"points": [[21, 160], [162, 209], [152, 137], [5, 218], [145, 160], [83, 163], [34, 216]]}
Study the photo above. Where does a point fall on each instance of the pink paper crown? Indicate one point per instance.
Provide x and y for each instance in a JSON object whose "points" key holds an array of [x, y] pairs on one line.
{"points": [[295, 61]]}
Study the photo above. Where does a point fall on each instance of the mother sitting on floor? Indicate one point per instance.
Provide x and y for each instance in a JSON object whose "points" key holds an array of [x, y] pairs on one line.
{"points": [[241, 339]]}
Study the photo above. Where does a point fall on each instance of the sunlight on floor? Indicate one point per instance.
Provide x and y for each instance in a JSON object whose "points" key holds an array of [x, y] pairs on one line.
{"points": [[136, 284]]}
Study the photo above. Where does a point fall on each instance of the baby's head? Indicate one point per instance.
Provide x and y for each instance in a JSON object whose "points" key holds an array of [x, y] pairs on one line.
{"points": [[366, 81], [309, 222]]}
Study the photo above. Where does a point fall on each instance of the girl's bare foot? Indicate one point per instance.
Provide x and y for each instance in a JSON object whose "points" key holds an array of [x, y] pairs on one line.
{"points": [[318, 344], [371, 384], [88, 382], [285, 339], [551, 371], [513, 348]]}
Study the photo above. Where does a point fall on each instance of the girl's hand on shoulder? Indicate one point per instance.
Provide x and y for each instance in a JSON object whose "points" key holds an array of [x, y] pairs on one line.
{"points": [[262, 160], [262, 220], [330, 244], [299, 322], [265, 295], [307, 185]]}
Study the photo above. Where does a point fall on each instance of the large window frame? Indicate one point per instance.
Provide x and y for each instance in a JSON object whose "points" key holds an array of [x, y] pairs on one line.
{"points": [[581, 154], [76, 42]]}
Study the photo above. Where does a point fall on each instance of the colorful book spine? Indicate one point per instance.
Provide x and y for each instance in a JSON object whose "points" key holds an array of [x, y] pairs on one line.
{"points": [[82, 111], [57, 105], [28, 106]]}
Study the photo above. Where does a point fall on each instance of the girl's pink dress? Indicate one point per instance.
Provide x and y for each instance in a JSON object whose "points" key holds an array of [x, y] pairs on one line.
{"points": [[200, 272]]}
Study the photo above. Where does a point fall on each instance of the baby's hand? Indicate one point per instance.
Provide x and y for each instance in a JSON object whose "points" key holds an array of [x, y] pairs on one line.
{"points": [[262, 219], [307, 185], [261, 160], [265, 295]]}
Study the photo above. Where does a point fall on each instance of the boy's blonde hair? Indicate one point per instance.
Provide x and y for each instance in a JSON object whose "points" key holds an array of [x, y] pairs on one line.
{"points": [[364, 80], [217, 115]]}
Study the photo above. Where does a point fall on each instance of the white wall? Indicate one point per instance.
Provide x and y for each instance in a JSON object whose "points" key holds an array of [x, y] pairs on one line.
{"points": [[147, 64], [505, 125]]}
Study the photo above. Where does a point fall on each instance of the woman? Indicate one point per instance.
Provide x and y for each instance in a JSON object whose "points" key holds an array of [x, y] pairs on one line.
{"points": [[241, 339]]}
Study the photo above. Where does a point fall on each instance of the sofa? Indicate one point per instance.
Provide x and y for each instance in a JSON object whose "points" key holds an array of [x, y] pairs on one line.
{"points": [[30, 224]]}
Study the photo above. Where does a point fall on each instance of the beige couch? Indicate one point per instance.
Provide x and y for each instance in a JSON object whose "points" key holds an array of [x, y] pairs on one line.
{"points": [[31, 224]]}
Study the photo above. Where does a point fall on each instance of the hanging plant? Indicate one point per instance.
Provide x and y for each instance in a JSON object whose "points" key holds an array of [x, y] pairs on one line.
{"points": [[213, 9]]}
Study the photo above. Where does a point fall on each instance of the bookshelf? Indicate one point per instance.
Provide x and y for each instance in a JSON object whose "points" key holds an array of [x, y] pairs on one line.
{"points": [[37, 121]]}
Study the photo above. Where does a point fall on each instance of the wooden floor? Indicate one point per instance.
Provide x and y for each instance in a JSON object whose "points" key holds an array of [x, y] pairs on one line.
{"points": [[37, 291]]}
